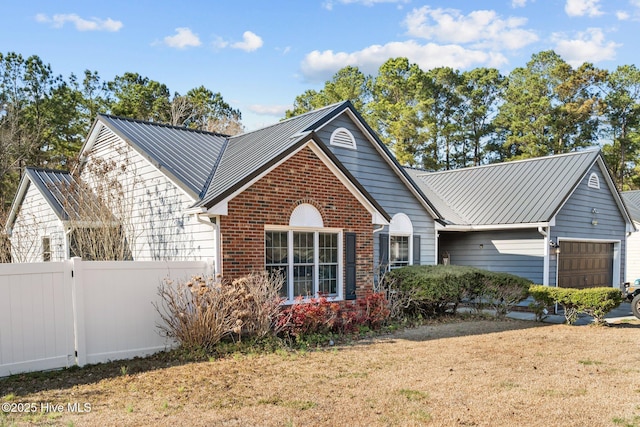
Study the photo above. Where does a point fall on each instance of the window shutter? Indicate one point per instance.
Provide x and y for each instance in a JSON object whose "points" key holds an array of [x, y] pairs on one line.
{"points": [[350, 282], [383, 262], [416, 250]]}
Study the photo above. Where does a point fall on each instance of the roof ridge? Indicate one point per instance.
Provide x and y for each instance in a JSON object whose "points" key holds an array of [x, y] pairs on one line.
{"points": [[327, 107], [48, 170], [205, 187], [165, 125], [499, 164]]}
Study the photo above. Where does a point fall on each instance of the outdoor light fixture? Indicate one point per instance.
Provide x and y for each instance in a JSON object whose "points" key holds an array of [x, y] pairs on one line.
{"points": [[594, 219], [555, 246]]}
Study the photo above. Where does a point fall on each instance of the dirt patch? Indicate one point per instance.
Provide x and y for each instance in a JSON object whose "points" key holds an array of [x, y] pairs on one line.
{"points": [[475, 373]]}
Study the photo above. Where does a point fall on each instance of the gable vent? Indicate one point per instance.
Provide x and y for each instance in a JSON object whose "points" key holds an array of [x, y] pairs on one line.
{"points": [[341, 137], [594, 181]]}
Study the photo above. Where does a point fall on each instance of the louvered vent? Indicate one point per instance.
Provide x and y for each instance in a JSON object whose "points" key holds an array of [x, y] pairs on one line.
{"points": [[594, 181], [341, 137]]}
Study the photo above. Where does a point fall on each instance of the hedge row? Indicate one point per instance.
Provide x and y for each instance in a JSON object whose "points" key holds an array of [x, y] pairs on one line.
{"points": [[430, 290], [595, 302]]}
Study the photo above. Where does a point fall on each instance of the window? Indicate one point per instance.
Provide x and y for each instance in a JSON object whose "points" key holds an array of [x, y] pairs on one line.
{"points": [[46, 249], [400, 239], [399, 251], [594, 181], [308, 260], [307, 255]]}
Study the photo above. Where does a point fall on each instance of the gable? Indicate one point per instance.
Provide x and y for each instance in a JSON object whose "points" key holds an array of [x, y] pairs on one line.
{"points": [[372, 164]]}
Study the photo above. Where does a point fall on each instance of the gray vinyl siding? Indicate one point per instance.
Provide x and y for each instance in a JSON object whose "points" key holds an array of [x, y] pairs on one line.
{"points": [[573, 221], [378, 177], [519, 252]]}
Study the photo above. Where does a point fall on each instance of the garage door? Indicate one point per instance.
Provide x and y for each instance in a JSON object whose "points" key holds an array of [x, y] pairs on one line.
{"points": [[585, 264]]}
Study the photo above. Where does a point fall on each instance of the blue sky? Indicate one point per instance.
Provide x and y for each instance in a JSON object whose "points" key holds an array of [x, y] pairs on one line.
{"points": [[261, 54]]}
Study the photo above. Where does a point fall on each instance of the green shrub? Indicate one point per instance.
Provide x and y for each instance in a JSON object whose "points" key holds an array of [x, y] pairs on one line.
{"points": [[431, 290], [595, 302], [503, 290]]}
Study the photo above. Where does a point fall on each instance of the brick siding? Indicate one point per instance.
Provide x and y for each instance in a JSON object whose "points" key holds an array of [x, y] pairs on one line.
{"points": [[304, 178]]}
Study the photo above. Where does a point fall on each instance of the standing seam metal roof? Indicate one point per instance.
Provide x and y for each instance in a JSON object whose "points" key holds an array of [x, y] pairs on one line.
{"points": [[632, 201], [189, 155], [519, 192]]}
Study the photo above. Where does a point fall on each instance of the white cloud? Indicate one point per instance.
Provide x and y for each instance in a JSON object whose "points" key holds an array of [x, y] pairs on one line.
{"points": [[184, 38], [329, 3], [479, 29], [81, 24], [587, 46], [518, 3], [250, 42], [320, 66], [622, 15], [269, 110], [583, 7]]}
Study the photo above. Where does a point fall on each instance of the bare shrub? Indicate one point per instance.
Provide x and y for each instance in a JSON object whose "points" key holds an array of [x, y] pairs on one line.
{"points": [[201, 312]]}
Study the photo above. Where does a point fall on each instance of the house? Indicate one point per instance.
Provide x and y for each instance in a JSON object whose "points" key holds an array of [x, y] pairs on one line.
{"points": [[632, 201], [556, 220], [294, 197]]}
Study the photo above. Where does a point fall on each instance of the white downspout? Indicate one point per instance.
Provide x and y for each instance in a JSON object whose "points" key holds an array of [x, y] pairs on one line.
{"points": [[217, 263], [545, 269]]}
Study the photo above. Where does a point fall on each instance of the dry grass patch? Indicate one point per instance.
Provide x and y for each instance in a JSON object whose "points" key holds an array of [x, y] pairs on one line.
{"points": [[480, 373]]}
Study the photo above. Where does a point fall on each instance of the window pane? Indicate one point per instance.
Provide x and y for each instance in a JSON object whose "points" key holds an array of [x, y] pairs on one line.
{"points": [[303, 280], [328, 283], [399, 251], [276, 258], [281, 271], [328, 248], [303, 248]]}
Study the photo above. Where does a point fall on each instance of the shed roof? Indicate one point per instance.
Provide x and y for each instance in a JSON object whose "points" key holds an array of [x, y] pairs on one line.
{"points": [[520, 192]]}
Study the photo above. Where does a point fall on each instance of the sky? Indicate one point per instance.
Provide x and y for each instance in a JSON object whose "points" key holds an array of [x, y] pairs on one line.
{"points": [[261, 54]]}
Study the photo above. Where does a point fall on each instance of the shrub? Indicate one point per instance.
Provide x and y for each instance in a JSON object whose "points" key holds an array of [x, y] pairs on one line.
{"points": [[200, 312], [503, 291], [431, 290], [595, 302], [320, 317]]}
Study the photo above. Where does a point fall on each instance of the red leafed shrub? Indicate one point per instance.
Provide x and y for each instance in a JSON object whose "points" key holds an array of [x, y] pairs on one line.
{"points": [[322, 316]]}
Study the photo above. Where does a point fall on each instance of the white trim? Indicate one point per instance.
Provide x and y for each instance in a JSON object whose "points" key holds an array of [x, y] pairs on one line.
{"points": [[347, 141], [490, 227], [377, 217], [316, 280]]}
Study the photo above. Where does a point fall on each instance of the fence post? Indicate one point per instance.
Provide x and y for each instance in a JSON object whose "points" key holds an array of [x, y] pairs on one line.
{"points": [[77, 289]]}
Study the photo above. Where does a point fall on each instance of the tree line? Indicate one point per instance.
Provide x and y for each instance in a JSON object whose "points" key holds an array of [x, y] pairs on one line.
{"points": [[444, 119], [44, 117]]}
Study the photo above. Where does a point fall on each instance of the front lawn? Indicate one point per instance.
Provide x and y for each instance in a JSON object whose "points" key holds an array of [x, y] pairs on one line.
{"points": [[461, 372]]}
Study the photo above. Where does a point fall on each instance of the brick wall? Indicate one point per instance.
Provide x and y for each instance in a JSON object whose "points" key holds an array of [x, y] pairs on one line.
{"points": [[270, 201]]}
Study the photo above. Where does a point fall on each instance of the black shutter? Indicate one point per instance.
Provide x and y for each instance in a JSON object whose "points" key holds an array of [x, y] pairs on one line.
{"points": [[416, 250], [383, 262], [350, 282]]}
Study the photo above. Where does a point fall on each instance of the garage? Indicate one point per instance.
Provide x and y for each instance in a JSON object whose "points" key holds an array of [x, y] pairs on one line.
{"points": [[585, 264]]}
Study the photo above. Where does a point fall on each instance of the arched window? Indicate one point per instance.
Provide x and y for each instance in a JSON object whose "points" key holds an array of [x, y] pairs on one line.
{"points": [[400, 241], [306, 254]]}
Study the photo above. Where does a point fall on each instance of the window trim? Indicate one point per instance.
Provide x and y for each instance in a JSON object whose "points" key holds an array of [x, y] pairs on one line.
{"points": [[290, 298], [403, 231], [46, 249]]}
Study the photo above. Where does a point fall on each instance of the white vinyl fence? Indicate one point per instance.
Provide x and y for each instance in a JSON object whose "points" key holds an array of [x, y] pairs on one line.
{"points": [[60, 314]]}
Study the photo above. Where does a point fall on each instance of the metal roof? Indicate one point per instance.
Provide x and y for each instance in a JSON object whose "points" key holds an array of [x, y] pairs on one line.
{"points": [[519, 192], [186, 154], [64, 193], [247, 154], [632, 201]]}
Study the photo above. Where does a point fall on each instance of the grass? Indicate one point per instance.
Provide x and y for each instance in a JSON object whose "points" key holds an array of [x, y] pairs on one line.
{"points": [[472, 372]]}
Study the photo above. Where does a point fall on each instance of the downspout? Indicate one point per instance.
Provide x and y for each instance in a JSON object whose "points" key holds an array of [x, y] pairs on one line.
{"points": [[545, 269], [217, 264]]}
